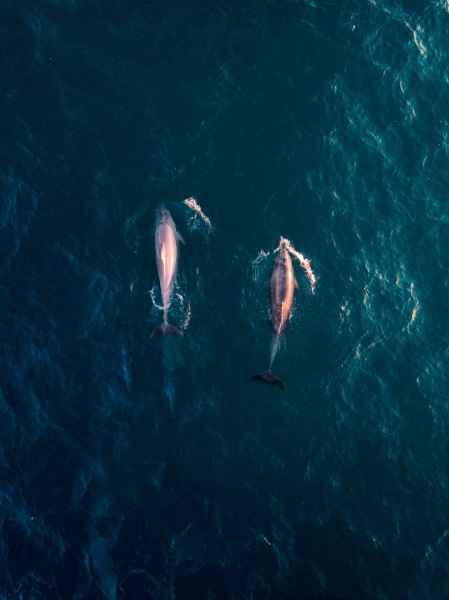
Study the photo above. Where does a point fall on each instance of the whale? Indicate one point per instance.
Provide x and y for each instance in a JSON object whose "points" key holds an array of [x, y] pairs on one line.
{"points": [[166, 239], [282, 288]]}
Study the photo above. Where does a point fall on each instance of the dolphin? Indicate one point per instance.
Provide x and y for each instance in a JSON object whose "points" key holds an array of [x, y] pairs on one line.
{"points": [[166, 242], [283, 283]]}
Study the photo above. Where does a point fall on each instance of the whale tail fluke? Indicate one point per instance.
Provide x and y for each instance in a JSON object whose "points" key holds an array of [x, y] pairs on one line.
{"points": [[269, 377], [167, 329]]}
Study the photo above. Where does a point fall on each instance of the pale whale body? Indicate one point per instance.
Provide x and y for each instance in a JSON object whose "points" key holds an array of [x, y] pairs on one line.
{"points": [[166, 244], [283, 285]]}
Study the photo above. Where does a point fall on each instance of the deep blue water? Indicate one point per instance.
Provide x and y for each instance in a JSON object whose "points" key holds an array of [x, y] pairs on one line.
{"points": [[138, 468]]}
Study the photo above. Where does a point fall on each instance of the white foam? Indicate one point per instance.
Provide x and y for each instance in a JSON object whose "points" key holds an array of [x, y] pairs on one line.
{"points": [[187, 311], [303, 261], [416, 38], [260, 257], [153, 297], [193, 204], [415, 307]]}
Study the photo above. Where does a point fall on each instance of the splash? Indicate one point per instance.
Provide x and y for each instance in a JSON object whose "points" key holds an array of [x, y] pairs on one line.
{"points": [[260, 257], [153, 297], [187, 312], [418, 41], [179, 308], [193, 204], [187, 318], [303, 261], [266, 540], [416, 305]]}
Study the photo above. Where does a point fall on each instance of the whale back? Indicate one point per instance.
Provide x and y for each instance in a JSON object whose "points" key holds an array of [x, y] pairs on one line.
{"points": [[166, 252], [282, 289]]}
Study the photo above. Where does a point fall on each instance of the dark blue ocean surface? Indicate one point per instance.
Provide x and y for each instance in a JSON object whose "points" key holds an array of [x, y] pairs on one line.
{"points": [[152, 468]]}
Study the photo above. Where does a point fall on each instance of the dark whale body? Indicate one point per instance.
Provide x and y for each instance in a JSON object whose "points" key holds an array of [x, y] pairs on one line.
{"points": [[283, 285]]}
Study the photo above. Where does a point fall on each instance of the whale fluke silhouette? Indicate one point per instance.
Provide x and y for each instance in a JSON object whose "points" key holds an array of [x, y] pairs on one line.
{"points": [[167, 329], [270, 378]]}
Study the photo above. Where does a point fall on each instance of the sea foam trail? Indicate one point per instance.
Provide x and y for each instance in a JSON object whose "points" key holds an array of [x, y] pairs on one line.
{"points": [[153, 297], [193, 204], [187, 311]]}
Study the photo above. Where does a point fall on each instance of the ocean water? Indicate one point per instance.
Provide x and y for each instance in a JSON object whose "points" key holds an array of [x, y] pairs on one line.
{"points": [[148, 468]]}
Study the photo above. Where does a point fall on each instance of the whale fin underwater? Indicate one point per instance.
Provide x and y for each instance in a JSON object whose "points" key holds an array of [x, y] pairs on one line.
{"points": [[166, 329], [270, 378], [180, 238]]}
